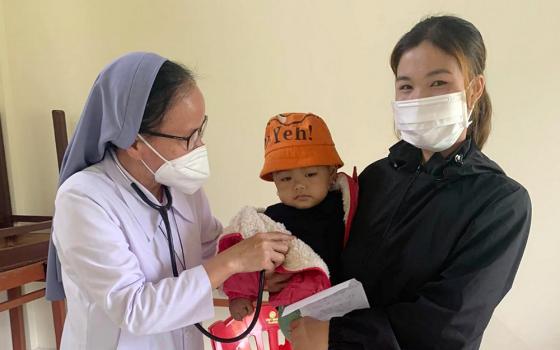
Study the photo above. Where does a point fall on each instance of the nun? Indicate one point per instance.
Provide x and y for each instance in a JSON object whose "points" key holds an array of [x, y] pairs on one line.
{"points": [[133, 241]]}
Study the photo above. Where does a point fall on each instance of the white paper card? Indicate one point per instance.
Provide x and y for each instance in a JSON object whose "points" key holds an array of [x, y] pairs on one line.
{"points": [[332, 302]]}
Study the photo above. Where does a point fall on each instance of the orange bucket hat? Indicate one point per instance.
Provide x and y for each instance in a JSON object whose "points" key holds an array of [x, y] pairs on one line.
{"points": [[297, 140]]}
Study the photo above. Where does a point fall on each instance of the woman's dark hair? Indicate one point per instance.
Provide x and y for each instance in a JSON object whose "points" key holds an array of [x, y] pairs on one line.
{"points": [[460, 39], [170, 78]]}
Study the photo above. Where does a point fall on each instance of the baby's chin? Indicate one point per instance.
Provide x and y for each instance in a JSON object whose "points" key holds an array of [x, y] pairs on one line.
{"points": [[303, 204]]}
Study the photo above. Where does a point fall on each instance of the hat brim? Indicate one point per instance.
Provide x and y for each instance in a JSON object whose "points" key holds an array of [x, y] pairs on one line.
{"points": [[288, 158]]}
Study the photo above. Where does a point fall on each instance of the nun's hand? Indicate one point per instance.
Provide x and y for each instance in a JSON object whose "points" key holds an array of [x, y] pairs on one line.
{"points": [[309, 333], [263, 251]]}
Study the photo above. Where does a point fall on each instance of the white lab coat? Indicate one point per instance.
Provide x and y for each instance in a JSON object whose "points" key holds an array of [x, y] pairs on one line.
{"points": [[116, 267]]}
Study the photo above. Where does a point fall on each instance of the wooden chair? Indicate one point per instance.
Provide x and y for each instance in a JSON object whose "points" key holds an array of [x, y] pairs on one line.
{"points": [[24, 242]]}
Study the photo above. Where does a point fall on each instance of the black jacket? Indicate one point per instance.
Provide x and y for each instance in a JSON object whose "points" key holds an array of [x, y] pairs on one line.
{"points": [[436, 246], [320, 227]]}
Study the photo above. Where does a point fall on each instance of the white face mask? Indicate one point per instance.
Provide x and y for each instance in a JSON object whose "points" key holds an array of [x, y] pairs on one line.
{"points": [[432, 123], [186, 173]]}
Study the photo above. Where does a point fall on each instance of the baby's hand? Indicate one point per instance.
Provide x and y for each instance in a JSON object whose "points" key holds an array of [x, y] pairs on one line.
{"points": [[240, 307]]}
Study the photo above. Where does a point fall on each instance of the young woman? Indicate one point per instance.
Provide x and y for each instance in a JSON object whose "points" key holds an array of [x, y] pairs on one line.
{"points": [[440, 229]]}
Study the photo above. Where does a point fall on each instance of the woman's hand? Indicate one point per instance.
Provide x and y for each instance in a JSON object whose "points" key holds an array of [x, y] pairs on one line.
{"points": [[275, 282], [263, 251], [309, 333]]}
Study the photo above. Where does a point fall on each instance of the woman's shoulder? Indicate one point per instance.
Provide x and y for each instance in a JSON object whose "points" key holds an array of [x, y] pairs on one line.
{"points": [[92, 182], [493, 175], [374, 169], [502, 189]]}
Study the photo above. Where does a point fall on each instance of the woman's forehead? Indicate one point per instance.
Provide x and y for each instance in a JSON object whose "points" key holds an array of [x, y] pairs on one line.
{"points": [[186, 114], [426, 59]]}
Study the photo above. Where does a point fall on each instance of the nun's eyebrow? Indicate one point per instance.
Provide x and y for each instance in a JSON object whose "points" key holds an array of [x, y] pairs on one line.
{"points": [[403, 78]]}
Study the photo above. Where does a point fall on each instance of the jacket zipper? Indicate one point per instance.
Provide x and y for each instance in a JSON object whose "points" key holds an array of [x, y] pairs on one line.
{"points": [[408, 187]]}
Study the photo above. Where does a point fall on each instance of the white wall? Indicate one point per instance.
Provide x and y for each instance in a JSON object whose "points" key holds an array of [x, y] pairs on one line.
{"points": [[255, 59]]}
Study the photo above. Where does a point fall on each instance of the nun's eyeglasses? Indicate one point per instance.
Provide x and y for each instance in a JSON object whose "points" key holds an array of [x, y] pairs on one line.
{"points": [[190, 141]]}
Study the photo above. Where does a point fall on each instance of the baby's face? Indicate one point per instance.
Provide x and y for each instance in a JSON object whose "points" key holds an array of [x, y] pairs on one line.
{"points": [[304, 188]]}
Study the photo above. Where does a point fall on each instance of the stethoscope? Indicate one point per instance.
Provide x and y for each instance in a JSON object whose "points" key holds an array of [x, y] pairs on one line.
{"points": [[162, 210]]}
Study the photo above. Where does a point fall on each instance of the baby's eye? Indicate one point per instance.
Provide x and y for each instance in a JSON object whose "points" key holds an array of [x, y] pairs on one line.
{"points": [[285, 179], [438, 83], [310, 174]]}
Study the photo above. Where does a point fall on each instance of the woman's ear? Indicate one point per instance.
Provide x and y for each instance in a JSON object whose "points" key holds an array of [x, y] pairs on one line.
{"points": [[134, 151], [475, 90]]}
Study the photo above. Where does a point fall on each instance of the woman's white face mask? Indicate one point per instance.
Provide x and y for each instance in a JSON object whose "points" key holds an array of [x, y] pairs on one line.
{"points": [[432, 123], [186, 173]]}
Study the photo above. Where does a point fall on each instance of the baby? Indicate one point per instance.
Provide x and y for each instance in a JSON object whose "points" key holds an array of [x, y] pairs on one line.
{"points": [[317, 206]]}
